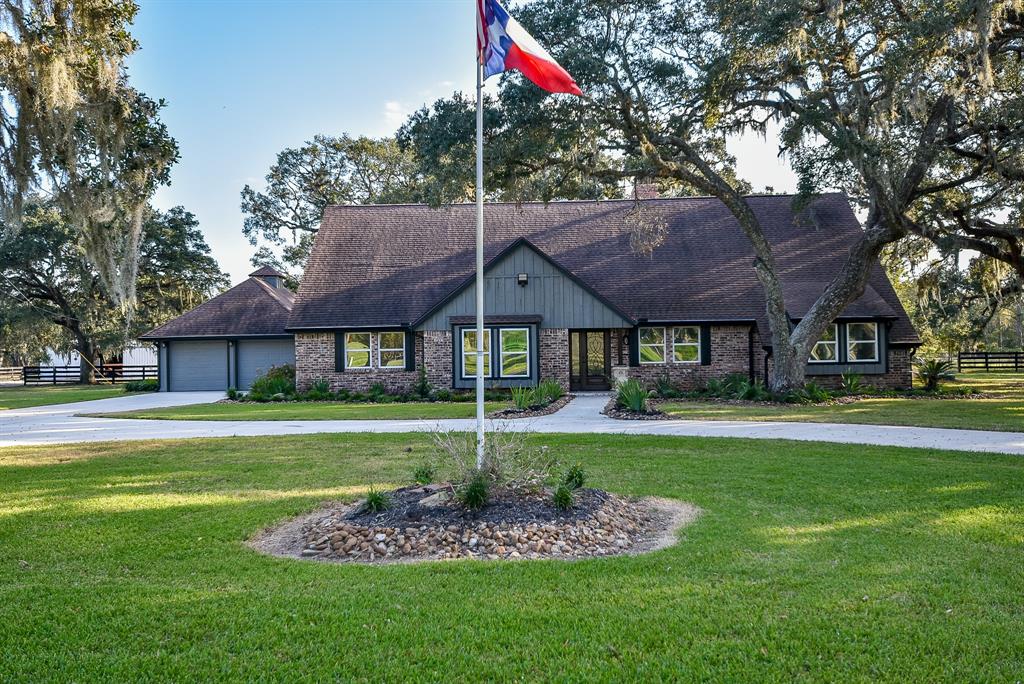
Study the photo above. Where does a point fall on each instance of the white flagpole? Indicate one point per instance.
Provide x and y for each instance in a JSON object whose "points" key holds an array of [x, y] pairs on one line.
{"points": [[479, 258]]}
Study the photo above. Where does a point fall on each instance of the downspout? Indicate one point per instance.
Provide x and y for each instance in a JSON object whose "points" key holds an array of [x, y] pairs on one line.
{"points": [[750, 353]]}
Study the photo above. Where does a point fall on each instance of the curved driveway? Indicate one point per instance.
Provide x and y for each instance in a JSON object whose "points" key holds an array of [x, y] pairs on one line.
{"points": [[60, 424]]}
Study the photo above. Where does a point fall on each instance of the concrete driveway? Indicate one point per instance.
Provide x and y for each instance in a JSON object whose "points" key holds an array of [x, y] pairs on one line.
{"points": [[59, 424]]}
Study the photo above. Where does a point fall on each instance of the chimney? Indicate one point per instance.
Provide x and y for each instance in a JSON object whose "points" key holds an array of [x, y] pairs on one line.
{"points": [[645, 189]]}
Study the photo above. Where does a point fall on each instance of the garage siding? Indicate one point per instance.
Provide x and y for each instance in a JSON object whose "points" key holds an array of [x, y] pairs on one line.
{"points": [[198, 366], [255, 357]]}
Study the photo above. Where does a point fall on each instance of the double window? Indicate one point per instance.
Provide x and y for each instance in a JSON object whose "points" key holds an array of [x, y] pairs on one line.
{"points": [[359, 350], [862, 344], [512, 357], [685, 340]]}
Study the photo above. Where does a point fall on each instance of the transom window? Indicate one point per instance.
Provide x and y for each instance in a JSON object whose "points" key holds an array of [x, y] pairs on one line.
{"points": [[469, 353], [826, 350], [391, 350], [515, 352], [686, 344], [652, 345], [357, 350], [862, 342]]}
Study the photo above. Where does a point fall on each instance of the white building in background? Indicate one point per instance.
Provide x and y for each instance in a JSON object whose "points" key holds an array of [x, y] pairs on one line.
{"points": [[138, 355]]}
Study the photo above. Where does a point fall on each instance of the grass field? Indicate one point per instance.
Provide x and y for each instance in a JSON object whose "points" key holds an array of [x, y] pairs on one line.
{"points": [[310, 411], [1003, 413], [23, 397], [812, 562]]}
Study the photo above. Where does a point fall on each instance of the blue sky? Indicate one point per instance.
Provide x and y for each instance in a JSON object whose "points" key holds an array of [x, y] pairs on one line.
{"points": [[244, 80]]}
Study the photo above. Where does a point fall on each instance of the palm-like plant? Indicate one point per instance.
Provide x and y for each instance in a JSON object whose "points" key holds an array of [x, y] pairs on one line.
{"points": [[932, 371]]}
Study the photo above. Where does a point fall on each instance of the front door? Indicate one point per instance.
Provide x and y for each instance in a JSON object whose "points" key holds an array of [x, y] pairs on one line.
{"points": [[590, 360]]}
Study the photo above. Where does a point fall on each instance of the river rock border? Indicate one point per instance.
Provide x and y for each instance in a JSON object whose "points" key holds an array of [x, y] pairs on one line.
{"points": [[618, 526]]}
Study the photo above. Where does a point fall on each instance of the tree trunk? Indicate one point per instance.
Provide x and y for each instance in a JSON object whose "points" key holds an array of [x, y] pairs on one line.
{"points": [[88, 358]]}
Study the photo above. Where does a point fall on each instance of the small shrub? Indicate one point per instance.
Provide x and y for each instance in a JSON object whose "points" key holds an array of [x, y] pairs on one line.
{"points": [[492, 395], [550, 391], [277, 380], [575, 476], [475, 494], [463, 397], [816, 393], [632, 395], [933, 371], [422, 387], [508, 460], [142, 386], [664, 388], [523, 397], [232, 393], [377, 393], [443, 395], [376, 501], [562, 497], [714, 388], [752, 391], [320, 390], [424, 474], [851, 383]]}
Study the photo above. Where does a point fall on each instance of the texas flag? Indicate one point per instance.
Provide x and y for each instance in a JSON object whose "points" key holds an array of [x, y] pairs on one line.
{"points": [[504, 45]]}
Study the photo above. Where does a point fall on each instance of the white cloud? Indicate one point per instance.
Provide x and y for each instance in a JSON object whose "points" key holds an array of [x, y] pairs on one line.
{"points": [[394, 113]]}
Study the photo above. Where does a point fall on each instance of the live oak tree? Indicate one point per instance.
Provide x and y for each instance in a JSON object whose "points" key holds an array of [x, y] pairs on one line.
{"points": [[913, 107], [73, 128], [53, 296], [304, 180]]}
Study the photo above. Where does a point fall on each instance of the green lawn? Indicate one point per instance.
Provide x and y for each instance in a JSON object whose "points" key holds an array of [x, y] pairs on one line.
{"points": [[812, 562], [310, 411], [1003, 413], [22, 397]]}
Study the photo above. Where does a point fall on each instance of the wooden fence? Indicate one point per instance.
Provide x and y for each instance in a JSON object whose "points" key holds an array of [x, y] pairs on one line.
{"points": [[1012, 362], [111, 373], [10, 373]]}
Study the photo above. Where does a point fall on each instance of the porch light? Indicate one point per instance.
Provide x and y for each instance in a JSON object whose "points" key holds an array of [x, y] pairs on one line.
{"points": [[522, 279]]}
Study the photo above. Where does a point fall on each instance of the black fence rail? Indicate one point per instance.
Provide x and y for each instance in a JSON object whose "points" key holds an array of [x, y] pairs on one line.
{"points": [[111, 373], [1012, 362], [10, 373]]}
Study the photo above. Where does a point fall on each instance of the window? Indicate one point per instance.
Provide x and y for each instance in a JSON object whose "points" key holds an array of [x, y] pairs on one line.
{"points": [[826, 350], [357, 350], [469, 353], [861, 342], [515, 352], [652, 345], [391, 350], [686, 344]]}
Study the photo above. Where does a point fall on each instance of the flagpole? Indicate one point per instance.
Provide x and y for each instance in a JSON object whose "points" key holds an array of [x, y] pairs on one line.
{"points": [[479, 262]]}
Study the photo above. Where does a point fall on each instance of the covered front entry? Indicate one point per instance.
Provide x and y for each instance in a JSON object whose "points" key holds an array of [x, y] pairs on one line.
{"points": [[590, 360]]}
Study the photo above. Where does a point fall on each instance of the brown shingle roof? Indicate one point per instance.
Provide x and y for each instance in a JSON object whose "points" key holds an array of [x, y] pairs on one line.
{"points": [[250, 308], [266, 271], [389, 264]]}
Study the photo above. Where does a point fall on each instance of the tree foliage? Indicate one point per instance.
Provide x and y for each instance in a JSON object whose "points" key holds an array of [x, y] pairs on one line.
{"points": [[54, 296], [72, 127]]}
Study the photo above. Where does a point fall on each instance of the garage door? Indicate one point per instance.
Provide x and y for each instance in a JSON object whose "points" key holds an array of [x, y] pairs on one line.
{"points": [[255, 357], [197, 366]]}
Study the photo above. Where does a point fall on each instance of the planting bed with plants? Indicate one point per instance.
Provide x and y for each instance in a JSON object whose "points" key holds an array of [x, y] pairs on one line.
{"points": [[520, 504], [528, 402]]}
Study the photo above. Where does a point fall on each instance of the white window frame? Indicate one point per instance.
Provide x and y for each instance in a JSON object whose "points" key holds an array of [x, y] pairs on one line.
{"points": [[835, 348], [369, 351], [849, 343], [487, 355], [502, 352], [640, 346], [381, 349], [686, 344]]}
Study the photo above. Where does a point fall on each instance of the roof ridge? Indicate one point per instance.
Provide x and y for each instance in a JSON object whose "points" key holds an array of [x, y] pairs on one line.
{"points": [[752, 195]]}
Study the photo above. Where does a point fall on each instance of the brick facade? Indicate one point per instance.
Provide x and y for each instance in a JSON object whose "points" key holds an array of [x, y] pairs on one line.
{"points": [[730, 353]]}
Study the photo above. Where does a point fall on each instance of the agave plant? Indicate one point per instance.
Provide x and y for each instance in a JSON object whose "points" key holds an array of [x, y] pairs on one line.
{"points": [[932, 371], [631, 394]]}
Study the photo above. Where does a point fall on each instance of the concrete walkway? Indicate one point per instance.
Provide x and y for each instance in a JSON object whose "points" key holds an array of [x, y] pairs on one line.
{"points": [[59, 424]]}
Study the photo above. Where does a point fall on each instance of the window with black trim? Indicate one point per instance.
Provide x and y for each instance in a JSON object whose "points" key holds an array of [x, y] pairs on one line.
{"points": [[686, 344], [357, 350], [826, 350], [652, 345], [469, 350], [391, 350], [861, 342]]}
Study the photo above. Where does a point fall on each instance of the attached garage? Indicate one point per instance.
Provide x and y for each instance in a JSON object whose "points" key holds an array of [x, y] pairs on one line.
{"points": [[230, 340]]}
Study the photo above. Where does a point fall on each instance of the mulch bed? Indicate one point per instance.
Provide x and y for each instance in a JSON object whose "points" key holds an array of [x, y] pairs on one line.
{"points": [[427, 523], [613, 410], [532, 412]]}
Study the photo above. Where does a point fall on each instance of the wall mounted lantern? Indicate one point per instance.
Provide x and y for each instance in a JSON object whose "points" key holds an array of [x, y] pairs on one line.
{"points": [[522, 279]]}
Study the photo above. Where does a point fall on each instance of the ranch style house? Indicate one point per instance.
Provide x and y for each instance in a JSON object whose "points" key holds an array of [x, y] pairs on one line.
{"points": [[389, 289]]}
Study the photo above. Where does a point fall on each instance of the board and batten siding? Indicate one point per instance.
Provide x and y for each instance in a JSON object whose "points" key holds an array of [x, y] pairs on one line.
{"points": [[550, 293]]}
